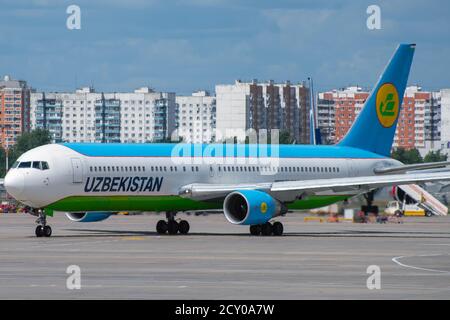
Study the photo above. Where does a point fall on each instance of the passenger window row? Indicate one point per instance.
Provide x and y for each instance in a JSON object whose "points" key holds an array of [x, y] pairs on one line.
{"points": [[277, 169], [117, 169], [219, 168], [138, 169]]}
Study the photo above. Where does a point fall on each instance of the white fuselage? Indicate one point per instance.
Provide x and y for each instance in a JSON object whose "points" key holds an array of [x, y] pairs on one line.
{"points": [[73, 174]]}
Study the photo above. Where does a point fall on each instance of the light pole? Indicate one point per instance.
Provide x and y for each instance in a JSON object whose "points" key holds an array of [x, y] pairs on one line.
{"points": [[6, 158]]}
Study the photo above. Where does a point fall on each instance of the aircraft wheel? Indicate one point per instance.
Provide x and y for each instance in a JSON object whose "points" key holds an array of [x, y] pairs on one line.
{"points": [[47, 231], [183, 227], [277, 228], [255, 230], [39, 231], [161, 227], [172, 227], [266, 229]]}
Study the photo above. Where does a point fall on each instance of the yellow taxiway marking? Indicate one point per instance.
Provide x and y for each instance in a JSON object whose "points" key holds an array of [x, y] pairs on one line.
{"points": [[133, 238]]}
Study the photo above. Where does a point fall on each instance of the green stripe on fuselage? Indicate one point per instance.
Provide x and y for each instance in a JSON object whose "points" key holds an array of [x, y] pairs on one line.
{"points": [[165, 203]]}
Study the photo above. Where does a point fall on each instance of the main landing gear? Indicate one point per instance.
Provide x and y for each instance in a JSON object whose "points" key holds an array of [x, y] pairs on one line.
{"points": [[42, 230], [267, 229], [171, 226], [369, 208]]}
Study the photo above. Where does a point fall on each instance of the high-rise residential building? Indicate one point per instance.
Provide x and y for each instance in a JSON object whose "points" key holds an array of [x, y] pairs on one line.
{"points": [[196, 117], [410, 128], [326, 114], [263, 106], [107, 120], [88, 116], [14, 110], [48, 116], [432, 119], [337, 110], [418, 124], [445, 120]]}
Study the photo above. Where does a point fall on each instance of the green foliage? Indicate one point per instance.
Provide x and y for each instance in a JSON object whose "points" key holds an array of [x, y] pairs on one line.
{"points": [[407, 156], [285, 137], [25, 142], [166, 140], [435, 156], [413, 156]]}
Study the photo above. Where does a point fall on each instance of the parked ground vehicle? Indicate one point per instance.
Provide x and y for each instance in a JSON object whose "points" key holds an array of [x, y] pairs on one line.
{"points": [[400, 209]]}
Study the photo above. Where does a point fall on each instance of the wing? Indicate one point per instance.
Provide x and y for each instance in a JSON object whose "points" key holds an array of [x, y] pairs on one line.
{"points": [[287, 191], [410, 167]]}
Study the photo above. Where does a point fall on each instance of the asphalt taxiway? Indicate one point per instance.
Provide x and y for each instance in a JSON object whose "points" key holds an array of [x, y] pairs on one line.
{"points": [[123, 257]]}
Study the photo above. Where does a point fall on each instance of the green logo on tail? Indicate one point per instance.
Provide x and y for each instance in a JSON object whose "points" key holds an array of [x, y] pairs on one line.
{"points": [[387, 106]]}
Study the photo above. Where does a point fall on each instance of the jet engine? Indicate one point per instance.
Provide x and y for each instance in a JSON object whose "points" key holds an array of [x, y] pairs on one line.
{"points": [[251, 207], [88, 216]]}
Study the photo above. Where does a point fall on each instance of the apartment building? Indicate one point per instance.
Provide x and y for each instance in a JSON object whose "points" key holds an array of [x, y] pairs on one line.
{"points": [[337, 110], [14, 110], [196, 117], [88, 116], [418, 125], [445, 121], [263, 106]]}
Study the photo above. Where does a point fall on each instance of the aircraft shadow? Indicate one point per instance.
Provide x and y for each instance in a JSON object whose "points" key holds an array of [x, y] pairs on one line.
{"points": [[98, 233]]}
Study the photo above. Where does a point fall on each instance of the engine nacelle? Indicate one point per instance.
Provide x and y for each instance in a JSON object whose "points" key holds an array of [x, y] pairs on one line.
{"points": [[88, 216], [250, 207]]}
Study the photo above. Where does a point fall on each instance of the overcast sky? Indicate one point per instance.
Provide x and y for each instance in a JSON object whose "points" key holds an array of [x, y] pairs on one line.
{"points": [[184, 45]]}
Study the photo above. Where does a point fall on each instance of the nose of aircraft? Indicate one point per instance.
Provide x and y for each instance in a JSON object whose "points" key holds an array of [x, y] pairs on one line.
{"points": [[14, 183]]}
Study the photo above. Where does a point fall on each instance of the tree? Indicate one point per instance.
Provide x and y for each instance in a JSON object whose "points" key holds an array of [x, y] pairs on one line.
{"points": [[285, 137], [410, 156], [435, 156], [25, 142]]}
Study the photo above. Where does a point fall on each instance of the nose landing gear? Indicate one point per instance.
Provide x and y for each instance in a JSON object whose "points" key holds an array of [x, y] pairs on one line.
{"points": [[42, 230]]}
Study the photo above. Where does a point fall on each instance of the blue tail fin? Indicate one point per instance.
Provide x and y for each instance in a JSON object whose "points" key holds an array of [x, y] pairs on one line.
{"points": [[375, 126]]}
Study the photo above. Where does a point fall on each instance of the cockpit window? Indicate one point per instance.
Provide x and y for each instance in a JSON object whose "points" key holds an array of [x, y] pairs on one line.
{"points": [[26, 164], [40, 165], [37, 165]]}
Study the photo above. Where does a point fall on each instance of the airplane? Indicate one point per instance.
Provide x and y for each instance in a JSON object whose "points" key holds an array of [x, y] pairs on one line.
{"points": [[90, 182]]}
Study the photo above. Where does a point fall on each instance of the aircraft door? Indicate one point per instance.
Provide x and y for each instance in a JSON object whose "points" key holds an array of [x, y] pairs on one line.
{"points": [[352, 167], [77, 170]]}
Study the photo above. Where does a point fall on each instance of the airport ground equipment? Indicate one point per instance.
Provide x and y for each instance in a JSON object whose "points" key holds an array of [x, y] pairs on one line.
{"points": [[400, 209], [422, 198]]}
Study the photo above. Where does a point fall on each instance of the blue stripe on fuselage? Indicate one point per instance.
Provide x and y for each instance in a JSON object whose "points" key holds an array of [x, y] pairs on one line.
{"points": [[198, 150]]}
